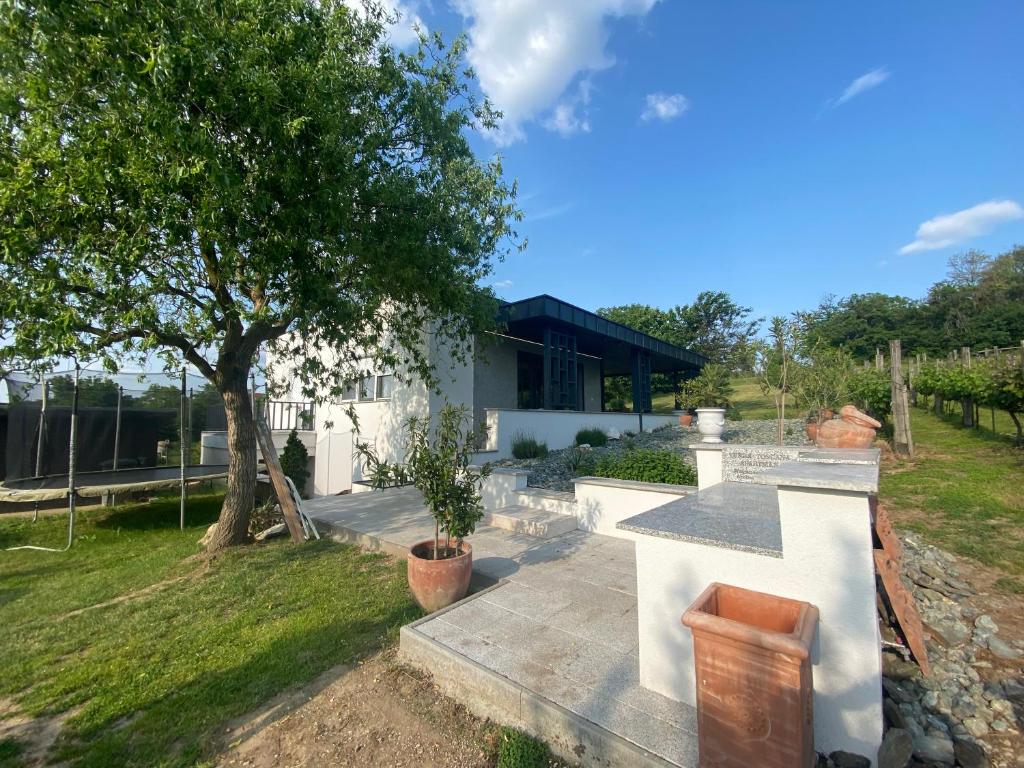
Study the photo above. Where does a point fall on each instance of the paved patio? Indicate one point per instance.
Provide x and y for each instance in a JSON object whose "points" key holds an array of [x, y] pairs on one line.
{"points": [[551, 647]]}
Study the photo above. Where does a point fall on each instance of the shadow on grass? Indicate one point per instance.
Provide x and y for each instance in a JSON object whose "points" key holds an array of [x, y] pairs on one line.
{"points": [[186, 726], [162, 513]]}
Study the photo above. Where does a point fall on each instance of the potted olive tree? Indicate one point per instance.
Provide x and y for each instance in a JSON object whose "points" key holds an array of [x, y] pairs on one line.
{"points": [[437, 463], [688, 401], [711, 391]]}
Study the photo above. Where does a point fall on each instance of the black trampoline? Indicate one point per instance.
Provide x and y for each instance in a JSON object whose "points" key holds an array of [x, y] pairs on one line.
{"points": [[98, 484]]}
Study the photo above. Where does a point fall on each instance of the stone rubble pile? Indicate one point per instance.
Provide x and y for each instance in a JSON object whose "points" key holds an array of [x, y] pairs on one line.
{"points": [[968, 711]]}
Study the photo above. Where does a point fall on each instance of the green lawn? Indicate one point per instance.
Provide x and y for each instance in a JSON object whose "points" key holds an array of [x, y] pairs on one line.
{"points": [[748, 401], [963, 492], [187, 644]]}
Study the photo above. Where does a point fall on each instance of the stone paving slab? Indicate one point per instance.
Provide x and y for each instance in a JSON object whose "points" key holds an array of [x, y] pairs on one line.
{"points": [[556, 639]]}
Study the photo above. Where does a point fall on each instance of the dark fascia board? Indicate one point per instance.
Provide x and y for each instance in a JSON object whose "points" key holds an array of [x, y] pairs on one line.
{"points": [[547, 306]]}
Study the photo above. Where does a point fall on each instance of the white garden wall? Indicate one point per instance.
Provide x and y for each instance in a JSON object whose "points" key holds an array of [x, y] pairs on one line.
{"points": [[602, 502], [825, 559], [558, 428]]}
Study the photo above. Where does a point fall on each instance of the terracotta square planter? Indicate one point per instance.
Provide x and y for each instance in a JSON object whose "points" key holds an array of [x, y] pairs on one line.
{"points": [[754, 684]]}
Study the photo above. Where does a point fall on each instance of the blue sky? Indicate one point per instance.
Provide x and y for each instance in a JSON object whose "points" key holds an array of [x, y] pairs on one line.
{"points": [[775, 150]]}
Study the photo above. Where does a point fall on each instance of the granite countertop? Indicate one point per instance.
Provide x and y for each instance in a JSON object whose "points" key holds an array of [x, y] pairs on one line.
{"points": [[739, 516], [826, 475], [840, 455]]}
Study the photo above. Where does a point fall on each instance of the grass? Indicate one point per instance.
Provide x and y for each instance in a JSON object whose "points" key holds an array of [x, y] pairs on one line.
{"points": [[962, 492], [182, 644], [748, 401]]}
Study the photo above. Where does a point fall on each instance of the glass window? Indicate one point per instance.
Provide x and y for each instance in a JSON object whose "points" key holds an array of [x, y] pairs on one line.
{"points": [[348, 393], [385, 383], [366, 388]]}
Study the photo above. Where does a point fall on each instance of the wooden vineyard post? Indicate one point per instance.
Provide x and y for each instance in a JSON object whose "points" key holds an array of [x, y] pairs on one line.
{"points": [[967, 404], [280, 485], [903, 443]]}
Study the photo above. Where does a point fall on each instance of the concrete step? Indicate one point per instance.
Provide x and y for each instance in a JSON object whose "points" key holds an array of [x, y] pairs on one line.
{"points": [[540, 523]]}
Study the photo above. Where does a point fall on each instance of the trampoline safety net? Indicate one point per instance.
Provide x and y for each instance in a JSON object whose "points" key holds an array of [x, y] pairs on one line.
{"points": [[138, 416]]}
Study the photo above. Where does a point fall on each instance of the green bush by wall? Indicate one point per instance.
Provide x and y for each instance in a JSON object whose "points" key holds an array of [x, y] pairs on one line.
{"points": [[646, 466]]}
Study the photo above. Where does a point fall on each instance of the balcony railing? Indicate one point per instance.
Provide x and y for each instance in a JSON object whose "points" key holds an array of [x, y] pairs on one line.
{"points": [[290, 414]]}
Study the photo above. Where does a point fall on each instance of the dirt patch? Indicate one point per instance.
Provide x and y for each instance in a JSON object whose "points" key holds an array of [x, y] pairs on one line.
{"points": [[377, 713], [35, 735]]}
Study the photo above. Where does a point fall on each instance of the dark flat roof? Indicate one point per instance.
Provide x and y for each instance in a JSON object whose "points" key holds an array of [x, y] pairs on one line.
{"points": [[595, 335]]}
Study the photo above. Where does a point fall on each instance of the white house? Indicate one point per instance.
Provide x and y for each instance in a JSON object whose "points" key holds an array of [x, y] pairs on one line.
{"points": [[543, 374]]}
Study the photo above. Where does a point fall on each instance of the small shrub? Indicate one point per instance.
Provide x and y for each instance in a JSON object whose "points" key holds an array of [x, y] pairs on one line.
{"points": [[526, 446], [593, 436], [520, 750], [294, 460], [646, 466], [576, 459]]}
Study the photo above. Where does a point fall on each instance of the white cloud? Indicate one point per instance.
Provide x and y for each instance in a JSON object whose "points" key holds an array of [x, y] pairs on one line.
{"points": [[548, 213], [571, 116], [865, 82], [502, 284], [526, 53], [952, 228], [403, 33], [664, 106]]}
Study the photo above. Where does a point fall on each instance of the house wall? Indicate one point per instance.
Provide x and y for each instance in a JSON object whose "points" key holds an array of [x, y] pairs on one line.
{"points": [[380, 423], [496, 374], [558, 428]]}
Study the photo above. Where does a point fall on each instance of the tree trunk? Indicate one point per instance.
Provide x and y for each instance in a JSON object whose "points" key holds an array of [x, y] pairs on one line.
{"points": [[233, 524]]}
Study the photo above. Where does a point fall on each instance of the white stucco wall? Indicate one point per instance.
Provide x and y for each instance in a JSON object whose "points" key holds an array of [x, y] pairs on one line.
{"points": [[603, 502], [558, 428], [827, 561]]}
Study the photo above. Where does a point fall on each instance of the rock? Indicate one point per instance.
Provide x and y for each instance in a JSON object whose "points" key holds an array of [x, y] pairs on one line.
{"points": [[969, 755], [208, 536], [976, 726], [1000, 726], [897, 692], [1003, 649], [896, 668], [930, 700], [1003, 708], [841, 759], [986, 623], [951, 631], [937, 749], [896, 750], [933, 570], [1013, 689], [893, 716]]}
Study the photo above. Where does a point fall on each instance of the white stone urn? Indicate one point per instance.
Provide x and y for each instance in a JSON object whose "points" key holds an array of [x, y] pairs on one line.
{"points": [[711, 424]]}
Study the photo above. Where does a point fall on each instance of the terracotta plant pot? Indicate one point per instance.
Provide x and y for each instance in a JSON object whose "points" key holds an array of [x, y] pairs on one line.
{"points": [[853, 415], [436, 584], [755, 684], [812, 430], [686, 419], [853, 429]]}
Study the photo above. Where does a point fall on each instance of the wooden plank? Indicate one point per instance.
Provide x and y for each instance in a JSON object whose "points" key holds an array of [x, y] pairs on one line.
{"points": [[903, 606], [887, 536], [277, 479]]}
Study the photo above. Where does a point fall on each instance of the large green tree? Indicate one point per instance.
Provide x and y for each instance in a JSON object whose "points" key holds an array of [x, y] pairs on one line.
{"points": [[199, 178], [714, 325]]}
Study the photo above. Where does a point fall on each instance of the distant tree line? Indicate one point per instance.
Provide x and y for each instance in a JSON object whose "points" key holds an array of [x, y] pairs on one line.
{"points": [[980, 304]]}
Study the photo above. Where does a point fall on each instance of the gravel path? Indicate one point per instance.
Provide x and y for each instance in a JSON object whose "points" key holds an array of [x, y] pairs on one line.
{"points": [[553, 471]]}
